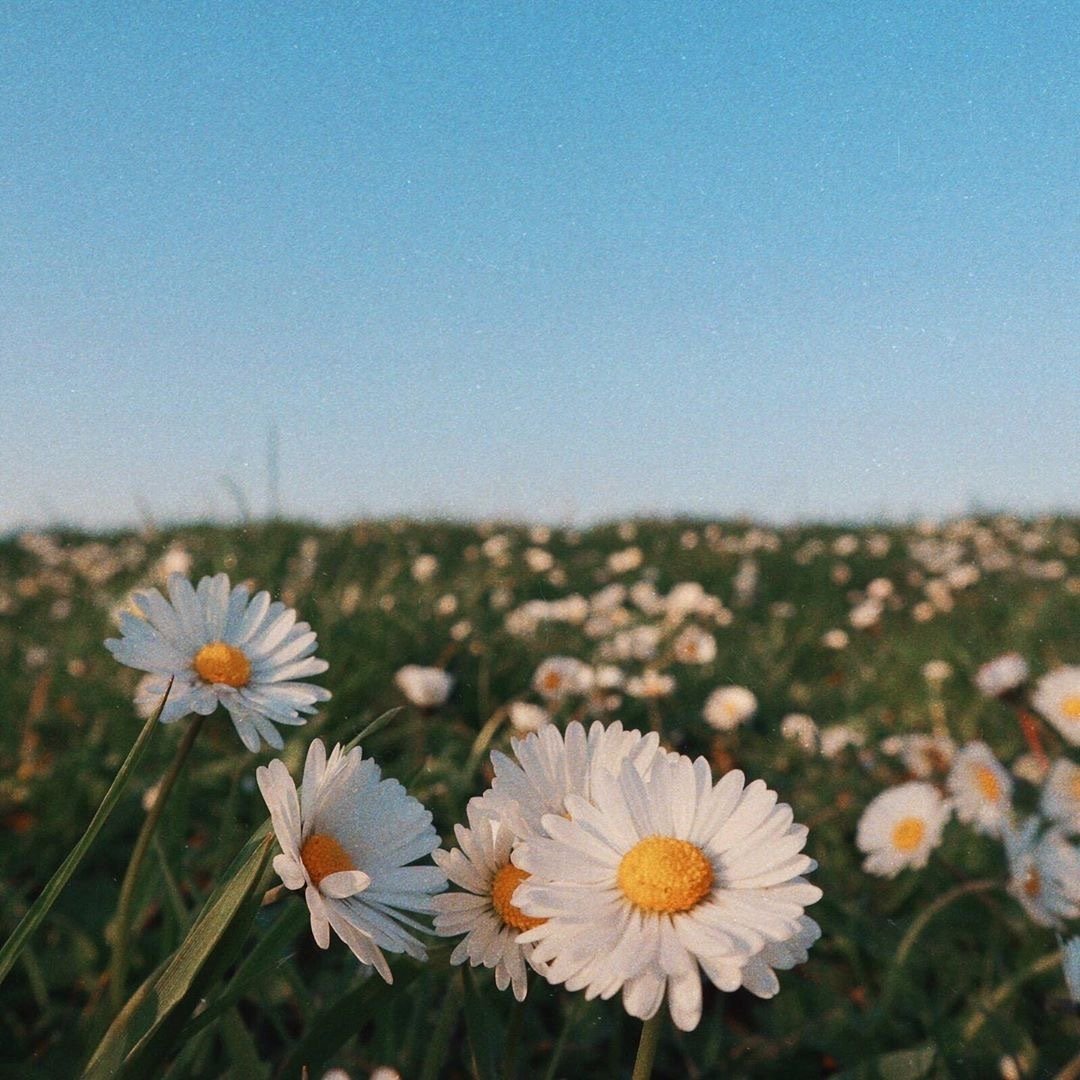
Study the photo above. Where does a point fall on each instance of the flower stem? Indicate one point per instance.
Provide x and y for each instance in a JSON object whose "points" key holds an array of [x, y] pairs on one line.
{"points": [[907, 942], [646, 1051], [1006, 990], [513, 1034], [122, 923]]}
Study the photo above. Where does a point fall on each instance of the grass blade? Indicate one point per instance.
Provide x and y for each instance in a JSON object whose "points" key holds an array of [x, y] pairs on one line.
{"points": [[48, 896]]}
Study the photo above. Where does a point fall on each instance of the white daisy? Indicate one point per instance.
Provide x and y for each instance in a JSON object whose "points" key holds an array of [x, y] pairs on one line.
{"points": [[650, 684], [800, 728], [900, 827], [221, 647], [526, 717], [551, 767], [923, 755], [1057, 697], [694, 646], [485, 912], [1001, 675], [729, 706], [558, 677], [424, 687], [660, 875], [981, 789], [1060, 797], [1044, 874], [347, 842]]}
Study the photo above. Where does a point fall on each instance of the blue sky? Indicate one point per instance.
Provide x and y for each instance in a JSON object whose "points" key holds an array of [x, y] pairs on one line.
{"points": [[539, 261]]}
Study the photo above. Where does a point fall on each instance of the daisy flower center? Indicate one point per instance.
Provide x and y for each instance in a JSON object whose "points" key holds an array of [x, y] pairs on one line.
{"points": [[1032, 883], [551, 681], [987, 783], [1071, 706], [663, 874], [502, 891], [220, 662], [322, 855], [907, 833]]}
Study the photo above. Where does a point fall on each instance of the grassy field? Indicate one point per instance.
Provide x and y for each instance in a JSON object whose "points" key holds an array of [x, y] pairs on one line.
{"points": [[965, 992]]}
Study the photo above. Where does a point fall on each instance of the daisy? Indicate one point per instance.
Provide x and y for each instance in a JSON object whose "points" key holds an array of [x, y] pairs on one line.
{"points": [[801, 729], [650, 684], [485, 912], [1044, 874], [347, 841], [221, 647], [694, 646], [659, 876], [1057, 697], [1001, 675], [922, 755], [900, 827], [424, 687], [1060, 798], [550, 767], [729, 706], [558, 677], [981, 789], [526, 717]]}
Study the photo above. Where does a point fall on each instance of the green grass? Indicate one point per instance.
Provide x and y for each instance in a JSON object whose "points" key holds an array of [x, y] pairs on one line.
{"points": [[68, 724]]}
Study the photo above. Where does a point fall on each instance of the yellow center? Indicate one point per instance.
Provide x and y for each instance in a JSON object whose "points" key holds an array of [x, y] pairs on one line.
{"points": [[1032, 883], [551, 681], [987, 783], [661, 873], [1074, 786], [907, 834], [1071, 706], [222, 663], [322, 855], [502, 892]]}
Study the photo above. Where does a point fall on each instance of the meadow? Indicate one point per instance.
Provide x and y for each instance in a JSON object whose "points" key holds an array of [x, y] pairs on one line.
{"points": [[869, 637]]}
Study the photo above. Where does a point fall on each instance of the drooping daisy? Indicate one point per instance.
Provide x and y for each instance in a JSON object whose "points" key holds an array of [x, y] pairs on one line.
{"points": [[1044, 874], [221, 647], [1057, 697], [347, 841], [1060, 797], [424, 687], [900, 827], [485, 911], [729, 706], [550, 767], [1001, 675], [981, 789], [559, 677], [658, 876]]}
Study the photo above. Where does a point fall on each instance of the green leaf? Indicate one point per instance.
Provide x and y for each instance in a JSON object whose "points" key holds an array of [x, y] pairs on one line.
{"points": [[48, 896], [143, 1034]]}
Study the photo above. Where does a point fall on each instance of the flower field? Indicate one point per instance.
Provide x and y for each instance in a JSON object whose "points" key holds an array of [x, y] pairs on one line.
{"points": [[563, 845]]}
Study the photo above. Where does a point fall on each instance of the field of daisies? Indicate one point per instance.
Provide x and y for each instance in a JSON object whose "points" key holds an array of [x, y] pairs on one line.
{"points": [[671, 799]]}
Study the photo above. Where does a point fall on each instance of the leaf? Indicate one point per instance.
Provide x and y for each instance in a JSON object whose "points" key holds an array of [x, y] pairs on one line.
{"points": [[143, 1034], [48, 896]]}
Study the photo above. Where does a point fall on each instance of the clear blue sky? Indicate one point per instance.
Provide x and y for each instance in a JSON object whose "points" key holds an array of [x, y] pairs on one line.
{"points": [[538, 260]]}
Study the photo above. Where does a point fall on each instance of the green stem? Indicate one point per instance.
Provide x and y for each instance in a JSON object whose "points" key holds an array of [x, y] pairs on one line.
{"points": [[483, 739], [1006, 990], [122, 923], [572, 1015], [513, 1034], [41, 906], [914, 931], [444, 1028], [646, 1051]]}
